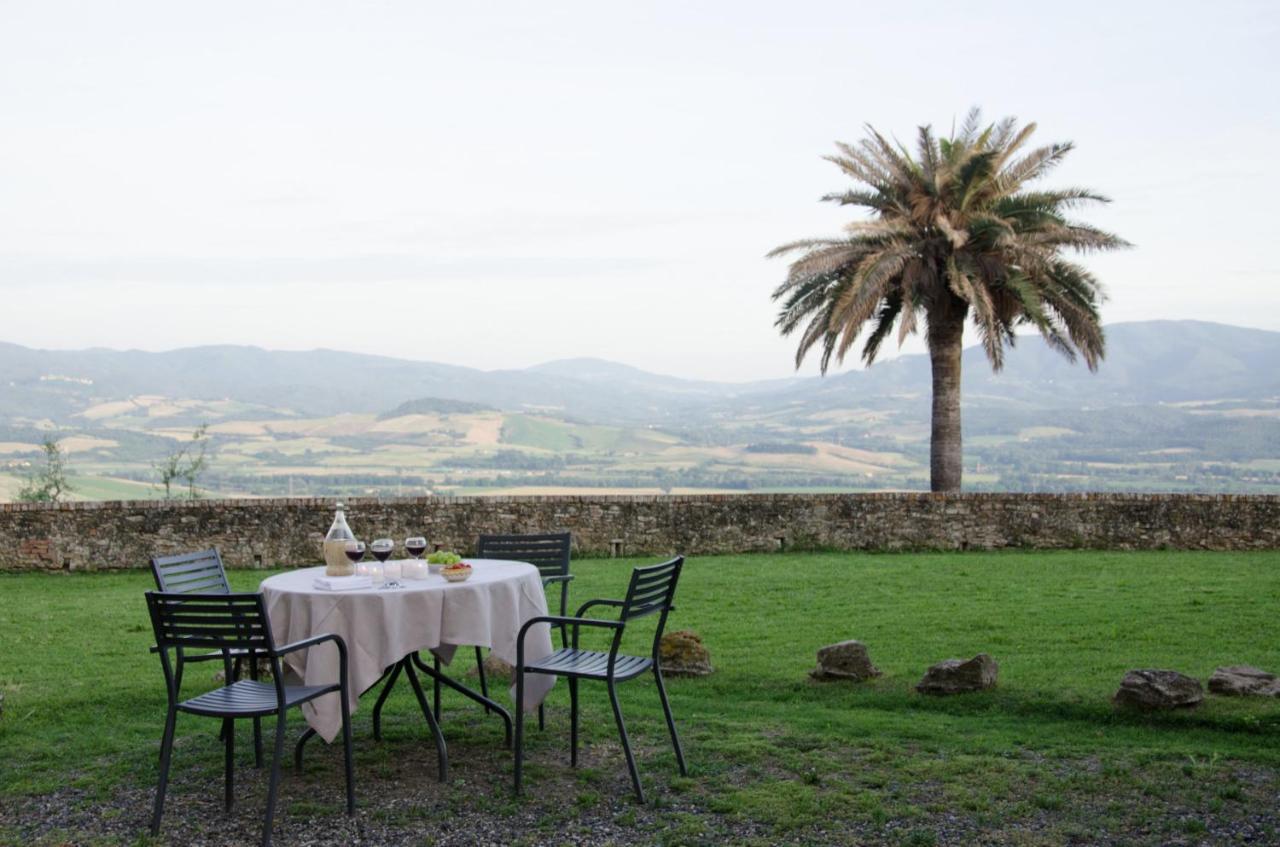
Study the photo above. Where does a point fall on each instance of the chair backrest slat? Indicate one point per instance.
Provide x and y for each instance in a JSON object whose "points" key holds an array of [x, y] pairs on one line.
{"points": [[215, 621], [652, 589], [549, 552], [200, 572], [204, 585]]}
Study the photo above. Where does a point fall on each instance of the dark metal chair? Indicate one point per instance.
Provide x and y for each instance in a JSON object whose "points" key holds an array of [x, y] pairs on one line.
{"points": [[651, 591], [225, 622], [549, 553], [202, 572]]}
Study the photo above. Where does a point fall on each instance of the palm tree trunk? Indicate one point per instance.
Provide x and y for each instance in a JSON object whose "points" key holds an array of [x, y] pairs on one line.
{"points": [[946, 334]]}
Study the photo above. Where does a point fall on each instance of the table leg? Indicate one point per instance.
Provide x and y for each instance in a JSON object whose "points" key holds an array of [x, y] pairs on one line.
{"points": [[382, 698], [435, 664], [440, 678], [297, 750], [441, 752]]}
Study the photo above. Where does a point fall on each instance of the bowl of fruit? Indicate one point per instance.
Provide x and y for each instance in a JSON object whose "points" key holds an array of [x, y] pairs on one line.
{"points": [[440, 559], [456, 572]]}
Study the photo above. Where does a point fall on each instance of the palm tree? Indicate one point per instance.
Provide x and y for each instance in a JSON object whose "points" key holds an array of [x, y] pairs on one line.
{"points": [[953, 231]]}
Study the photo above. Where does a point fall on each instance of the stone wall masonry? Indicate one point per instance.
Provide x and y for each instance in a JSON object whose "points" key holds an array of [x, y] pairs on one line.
{"points": [[287, 532]]}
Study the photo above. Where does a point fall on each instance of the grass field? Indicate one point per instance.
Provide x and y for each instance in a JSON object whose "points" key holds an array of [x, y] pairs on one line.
{"points": [[1043, 759]]}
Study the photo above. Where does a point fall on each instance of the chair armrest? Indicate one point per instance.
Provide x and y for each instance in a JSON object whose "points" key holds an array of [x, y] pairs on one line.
{"points": [[311, 642], [599, 602], [559, 619], [547, 580]]}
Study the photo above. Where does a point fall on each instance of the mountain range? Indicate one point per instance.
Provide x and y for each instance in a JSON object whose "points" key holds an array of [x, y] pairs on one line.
{"points": [[1176, 405], [1147, 362]]}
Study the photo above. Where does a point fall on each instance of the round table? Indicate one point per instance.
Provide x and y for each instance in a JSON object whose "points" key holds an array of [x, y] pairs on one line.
{"points": [[382, 626]]}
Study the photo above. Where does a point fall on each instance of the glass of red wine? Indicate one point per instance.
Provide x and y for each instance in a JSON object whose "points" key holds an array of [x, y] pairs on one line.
{"points": [[355, 551], [416, 546]]}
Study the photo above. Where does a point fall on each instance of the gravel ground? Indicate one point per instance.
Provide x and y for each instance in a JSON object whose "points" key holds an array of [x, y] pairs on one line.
{"points": [[399, 801]]}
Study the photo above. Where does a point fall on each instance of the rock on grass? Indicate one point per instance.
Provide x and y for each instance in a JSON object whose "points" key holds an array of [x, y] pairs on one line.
{"points": [[957, 676], [1151, 690]]}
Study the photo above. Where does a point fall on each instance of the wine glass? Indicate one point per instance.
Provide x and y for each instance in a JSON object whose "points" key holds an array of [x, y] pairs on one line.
{"points": [[381, 550], [415, 568], [355, 551]]}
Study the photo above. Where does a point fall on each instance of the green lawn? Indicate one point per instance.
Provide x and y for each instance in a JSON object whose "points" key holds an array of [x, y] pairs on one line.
{"points": [[84, 698]]}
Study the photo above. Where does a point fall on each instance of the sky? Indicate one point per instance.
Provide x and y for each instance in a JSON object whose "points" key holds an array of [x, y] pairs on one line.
{"points": [[502, 184]]}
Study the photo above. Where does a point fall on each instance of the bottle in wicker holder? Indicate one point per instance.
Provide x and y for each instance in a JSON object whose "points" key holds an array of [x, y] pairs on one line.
{"points": [[336, 562]]}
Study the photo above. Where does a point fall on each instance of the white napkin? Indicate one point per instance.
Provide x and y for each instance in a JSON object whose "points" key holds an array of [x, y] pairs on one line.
{"points": [[342, 583]]}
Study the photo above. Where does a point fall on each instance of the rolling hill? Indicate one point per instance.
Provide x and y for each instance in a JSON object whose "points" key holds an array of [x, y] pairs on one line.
{"points": [[1176, 405]]}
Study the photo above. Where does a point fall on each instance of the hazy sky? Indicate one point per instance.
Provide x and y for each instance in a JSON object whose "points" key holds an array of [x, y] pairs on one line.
{"points": [[498, 185]]}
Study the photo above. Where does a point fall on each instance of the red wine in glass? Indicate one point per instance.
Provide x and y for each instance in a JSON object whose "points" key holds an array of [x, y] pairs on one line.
{"points": [[355, 552], [415, 546], [382, 548]]}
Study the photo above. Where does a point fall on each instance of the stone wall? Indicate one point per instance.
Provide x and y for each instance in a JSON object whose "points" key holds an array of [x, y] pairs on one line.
{"points": [[283, 532]]}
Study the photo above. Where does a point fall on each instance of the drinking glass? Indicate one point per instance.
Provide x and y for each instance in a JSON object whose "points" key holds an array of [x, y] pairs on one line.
{"points": [[381, 550], [355, 551], [415, 568]]}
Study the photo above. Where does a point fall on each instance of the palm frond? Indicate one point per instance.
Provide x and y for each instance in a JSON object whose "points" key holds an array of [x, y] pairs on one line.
{"points": [[949, 231], [969, 129], [889, 311], [1033, 166]]}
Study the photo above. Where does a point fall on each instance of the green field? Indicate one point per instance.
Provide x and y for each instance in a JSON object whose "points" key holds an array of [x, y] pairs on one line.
{"points": [[1043, 759]]}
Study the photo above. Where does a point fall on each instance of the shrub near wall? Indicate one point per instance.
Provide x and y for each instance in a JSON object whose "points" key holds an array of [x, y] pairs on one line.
{"points": [[287, 532]]}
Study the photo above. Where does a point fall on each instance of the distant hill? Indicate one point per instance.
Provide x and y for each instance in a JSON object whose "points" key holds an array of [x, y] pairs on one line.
{"points": [[1147, 362], [1176, 406], [435, 406], [614, 376]]}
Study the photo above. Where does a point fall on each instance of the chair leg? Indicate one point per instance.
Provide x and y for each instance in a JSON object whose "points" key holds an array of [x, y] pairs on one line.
{"points": [[671, 721], [626, 743], [347, 761], [573, 721], [236, 669], [484, 683], [382, 698], [229, 765], [542, 718], [519, 743], [442, 753], [166, 754], [257, 722], [273, 785]]}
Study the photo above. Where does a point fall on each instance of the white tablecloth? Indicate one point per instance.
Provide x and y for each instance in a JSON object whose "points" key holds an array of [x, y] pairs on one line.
{"points": [[382, 626]]}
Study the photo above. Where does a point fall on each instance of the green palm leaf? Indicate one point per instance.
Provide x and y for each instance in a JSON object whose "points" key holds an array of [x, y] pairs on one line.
{"points": [[950, 234]]}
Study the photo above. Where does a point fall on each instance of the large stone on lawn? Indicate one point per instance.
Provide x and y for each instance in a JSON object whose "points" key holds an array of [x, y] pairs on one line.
{"points": [[846, 660], [1244, 680], [264, 670], [494, 668], [957, 676], [1158, 689], [683, 654]]}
